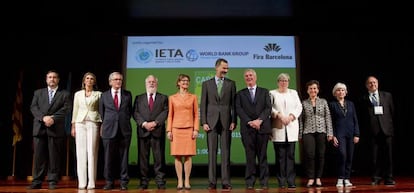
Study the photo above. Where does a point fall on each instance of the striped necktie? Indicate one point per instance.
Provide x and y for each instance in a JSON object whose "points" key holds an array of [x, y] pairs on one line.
{"points": [[374, 100], [50, 96]]}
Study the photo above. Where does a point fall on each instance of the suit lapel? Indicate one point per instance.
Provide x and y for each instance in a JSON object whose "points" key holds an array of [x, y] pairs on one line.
{"points": [[122, 98], [108, 94], [367, 100], [46, 96], [213, 85], [224, 87]]}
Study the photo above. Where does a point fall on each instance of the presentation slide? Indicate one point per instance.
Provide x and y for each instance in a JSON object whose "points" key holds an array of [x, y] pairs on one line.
{"points": [[168, 56]]}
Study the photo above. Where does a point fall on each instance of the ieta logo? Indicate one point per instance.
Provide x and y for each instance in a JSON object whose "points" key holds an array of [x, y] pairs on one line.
{"points": [[272, 47], [143, 56]]}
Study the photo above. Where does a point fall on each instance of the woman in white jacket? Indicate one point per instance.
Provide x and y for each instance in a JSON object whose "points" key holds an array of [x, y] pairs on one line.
{"points": [[86, 121], [286, 109]]}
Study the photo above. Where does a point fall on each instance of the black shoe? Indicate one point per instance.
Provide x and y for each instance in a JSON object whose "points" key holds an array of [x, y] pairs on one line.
{"points": [[212, 187], [389, 182], [291, 186], [318, 185], [35, 186], [52, 186], [124, 187], [227, 187], [143, 187], [249, 187], [161, 186], [108, 187]]}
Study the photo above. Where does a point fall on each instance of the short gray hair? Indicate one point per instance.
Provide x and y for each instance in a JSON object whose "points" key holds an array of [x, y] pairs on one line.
{"points": [[337, 86], [283, 76]]}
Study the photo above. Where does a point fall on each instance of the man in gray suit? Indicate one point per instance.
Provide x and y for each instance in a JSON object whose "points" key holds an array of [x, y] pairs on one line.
{"points": [[115, 108], [218, 118], [150, 115], [49, 107]]}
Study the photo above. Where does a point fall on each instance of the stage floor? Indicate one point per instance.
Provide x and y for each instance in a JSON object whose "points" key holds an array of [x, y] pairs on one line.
{"points": [[199, 185]]}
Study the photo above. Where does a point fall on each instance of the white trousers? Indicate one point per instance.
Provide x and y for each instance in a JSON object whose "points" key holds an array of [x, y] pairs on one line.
{"points": [[87, 145]]}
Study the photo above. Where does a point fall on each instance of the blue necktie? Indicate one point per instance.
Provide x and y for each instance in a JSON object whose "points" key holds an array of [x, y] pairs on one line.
{"points": [[50, 96], [374, 100]]}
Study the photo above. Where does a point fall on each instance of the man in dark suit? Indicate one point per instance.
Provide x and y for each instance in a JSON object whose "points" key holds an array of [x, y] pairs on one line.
{"points": [[253, 107], [218, 118], [49, 107], [377, 113], [150, 115], [115, 108]]}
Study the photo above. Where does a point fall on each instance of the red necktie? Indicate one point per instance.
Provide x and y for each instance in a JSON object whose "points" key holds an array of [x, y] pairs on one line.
{"points": [[116, 100], [151, 102]]}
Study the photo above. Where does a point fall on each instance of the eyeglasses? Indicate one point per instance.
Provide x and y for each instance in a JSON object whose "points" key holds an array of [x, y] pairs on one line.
{"points": [[120, 79], [186, 80], [283, 80]]}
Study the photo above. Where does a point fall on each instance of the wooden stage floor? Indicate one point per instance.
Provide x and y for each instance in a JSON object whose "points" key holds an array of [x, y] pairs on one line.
{"points": [[361, 184]]}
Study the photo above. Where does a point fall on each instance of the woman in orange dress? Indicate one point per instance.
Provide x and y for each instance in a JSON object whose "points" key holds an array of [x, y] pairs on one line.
{"points": [[182, 129]]}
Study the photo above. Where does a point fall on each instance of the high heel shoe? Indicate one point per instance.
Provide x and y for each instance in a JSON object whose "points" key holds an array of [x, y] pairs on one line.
{"points": [[310, 183], [179, 187], [318, 183], [187, 185]]}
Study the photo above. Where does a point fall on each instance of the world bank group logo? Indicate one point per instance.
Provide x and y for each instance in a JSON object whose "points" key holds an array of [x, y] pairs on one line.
{"points": [[143, 56], [272, 47], [192, 55]]}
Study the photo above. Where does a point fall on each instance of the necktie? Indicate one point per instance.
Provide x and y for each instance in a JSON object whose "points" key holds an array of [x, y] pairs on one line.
{"points": [[50, 96], [116, 100], [219, 86], [151, 101], [374, 100], [251, 90]]}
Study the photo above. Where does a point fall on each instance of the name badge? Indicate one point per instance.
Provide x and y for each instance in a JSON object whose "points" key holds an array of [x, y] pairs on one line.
{"points": [[378, 110]]}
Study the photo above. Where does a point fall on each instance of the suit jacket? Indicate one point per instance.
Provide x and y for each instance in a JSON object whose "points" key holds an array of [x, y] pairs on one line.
{"points": [[345, 122], [249, 110], [158, 114], [183, 112], [213, 106], [83, 109], [59, 109], [113, 119], [376, 123], [286, 104]]}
